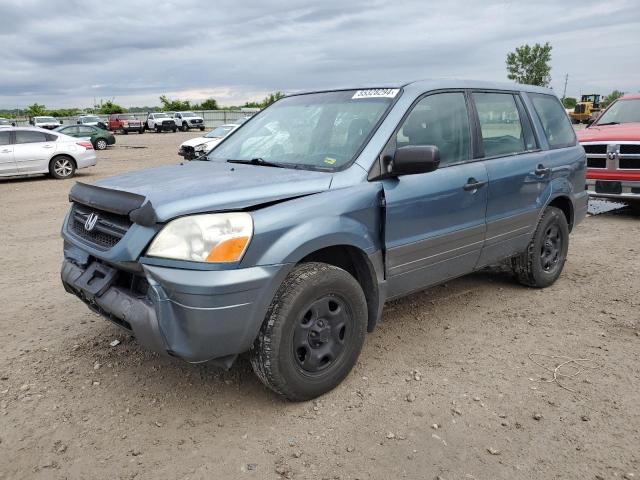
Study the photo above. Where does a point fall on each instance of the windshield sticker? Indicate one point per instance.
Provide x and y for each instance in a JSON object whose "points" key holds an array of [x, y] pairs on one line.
{"points": [[330, 160], [376, 93]]}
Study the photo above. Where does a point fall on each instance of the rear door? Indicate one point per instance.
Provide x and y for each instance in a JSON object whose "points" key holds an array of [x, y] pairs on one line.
{"points": [[517, 173], [33, 150], [7, 162], [435, 222]]}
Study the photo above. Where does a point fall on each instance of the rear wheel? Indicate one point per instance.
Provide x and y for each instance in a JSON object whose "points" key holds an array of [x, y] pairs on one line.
{"points": [[62, 167], [174, 129], [313, 332], [101, 144], [141, 131], [541, 263]]}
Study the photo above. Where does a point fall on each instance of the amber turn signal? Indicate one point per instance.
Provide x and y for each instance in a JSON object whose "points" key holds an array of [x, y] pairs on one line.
{"points": [[230, 250]]}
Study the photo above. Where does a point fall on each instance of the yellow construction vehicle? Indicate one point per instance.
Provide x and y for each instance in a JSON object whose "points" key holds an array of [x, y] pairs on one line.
{"points": [[585, 108]]}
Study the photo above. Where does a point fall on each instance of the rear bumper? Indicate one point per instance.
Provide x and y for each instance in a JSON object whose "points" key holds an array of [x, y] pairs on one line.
{"points": [[86, 159], [196, 315]]}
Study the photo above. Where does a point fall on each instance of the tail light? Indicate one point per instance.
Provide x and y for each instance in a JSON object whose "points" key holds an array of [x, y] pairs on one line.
{"points": [[86, 145]]}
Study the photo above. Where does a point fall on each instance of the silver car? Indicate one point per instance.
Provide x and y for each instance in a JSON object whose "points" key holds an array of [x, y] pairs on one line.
{"points": [[29, 150]]}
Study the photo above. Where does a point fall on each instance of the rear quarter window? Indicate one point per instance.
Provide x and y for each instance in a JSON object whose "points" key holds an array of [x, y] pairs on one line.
{"points": [[554, 120]]}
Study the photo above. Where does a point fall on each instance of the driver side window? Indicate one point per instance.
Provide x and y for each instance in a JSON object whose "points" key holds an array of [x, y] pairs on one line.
{"points": [[441, 120]]}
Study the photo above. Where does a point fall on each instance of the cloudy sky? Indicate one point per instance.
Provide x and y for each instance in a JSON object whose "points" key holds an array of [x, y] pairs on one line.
{"points": [[66, 53]]}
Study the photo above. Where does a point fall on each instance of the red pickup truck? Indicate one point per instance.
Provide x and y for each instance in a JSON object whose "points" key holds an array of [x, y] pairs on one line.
{"points": [[612, 144], [125, 123]]}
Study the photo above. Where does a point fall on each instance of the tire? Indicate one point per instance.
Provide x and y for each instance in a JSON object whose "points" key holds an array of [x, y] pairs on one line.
{"points": [[321, 309], [62, 167], [541, 263], [185, 127], [158, 129], [125, 131], [141, 131], [202, 129], [174, 129], [146, 125], [101, 144]]}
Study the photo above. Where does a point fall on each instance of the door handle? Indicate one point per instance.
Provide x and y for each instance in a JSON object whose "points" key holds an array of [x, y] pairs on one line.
{"points": [[47, 146], [542, 170], [473, 184]]}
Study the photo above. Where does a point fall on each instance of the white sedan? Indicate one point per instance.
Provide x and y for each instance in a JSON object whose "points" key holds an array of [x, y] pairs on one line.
{"points": [[29, 150], [200, 145]]}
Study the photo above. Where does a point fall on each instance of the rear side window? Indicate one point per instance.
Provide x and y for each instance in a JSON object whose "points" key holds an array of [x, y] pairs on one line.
{"points": [[504, 132], [555, 122], [29, 136], [5, 138]]}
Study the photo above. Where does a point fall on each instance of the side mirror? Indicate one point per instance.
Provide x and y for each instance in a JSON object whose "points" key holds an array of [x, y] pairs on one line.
{"points": [[414, 159]]}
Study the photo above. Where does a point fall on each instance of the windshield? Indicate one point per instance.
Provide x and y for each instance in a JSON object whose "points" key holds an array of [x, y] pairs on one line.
{"points": [[4, 121], [45, 119], [160, 115], [188, 114], [623, 111], [90, 119], [219, 132], [315, 131]]}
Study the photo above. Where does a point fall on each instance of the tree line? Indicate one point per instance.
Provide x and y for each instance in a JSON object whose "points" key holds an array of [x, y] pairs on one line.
{"points": [[107, 107]]}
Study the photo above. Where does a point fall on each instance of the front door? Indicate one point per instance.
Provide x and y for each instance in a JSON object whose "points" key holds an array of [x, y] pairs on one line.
{"points": [[7, 163], [33, 150], [435, 222]]}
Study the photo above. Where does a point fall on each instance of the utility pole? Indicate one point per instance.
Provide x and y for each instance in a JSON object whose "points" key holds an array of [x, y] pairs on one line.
{"points": [[564, 93]]}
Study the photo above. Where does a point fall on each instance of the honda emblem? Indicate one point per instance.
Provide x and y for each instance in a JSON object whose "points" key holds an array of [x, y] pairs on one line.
{"points": [[90, 222]]}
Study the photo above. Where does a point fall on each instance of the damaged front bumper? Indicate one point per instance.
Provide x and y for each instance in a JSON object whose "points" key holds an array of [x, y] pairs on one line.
{"points": [[196, 315]]}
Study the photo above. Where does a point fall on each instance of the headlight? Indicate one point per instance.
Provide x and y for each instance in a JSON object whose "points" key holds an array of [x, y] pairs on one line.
{"points": [[201, 147], [215, 238]]}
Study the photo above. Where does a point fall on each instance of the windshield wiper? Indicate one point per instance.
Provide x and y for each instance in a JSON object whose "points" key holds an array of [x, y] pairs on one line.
{"points": [[608, 123], [257, 161]]}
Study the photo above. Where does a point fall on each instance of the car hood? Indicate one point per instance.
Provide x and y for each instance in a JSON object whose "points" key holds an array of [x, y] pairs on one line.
{"points": [[207, 186], [608, 133], [194, 142]]}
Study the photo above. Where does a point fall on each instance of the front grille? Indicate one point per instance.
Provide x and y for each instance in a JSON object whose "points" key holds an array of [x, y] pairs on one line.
{"points": [[595, 148], [579, 109], [168, 123], [197, 120], [629, 163], [108, 230], [633, 149], [597, 162]]}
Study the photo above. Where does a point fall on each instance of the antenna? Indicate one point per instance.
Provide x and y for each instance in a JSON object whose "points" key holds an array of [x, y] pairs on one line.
{"points": [[564, 93]]}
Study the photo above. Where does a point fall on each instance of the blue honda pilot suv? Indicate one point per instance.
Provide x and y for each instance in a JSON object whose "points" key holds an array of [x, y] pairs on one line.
{"points": [[290, 235]]}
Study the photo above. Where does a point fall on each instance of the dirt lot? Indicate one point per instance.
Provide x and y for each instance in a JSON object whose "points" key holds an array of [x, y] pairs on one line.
{"points": [[445, 387]]}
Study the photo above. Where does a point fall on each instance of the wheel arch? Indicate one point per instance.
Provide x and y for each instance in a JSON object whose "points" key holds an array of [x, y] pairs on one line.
{"points": [[564, 203], [357, 263]]}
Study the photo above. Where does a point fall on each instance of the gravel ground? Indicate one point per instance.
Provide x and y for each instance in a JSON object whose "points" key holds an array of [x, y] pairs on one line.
{"points": [[451, 385]]}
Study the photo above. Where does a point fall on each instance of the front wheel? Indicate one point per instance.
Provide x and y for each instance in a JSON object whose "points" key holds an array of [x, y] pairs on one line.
{"points": [[141, 131], [185, 127], [541, 263], [202, 129], [62, 167], [313, 332]]}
